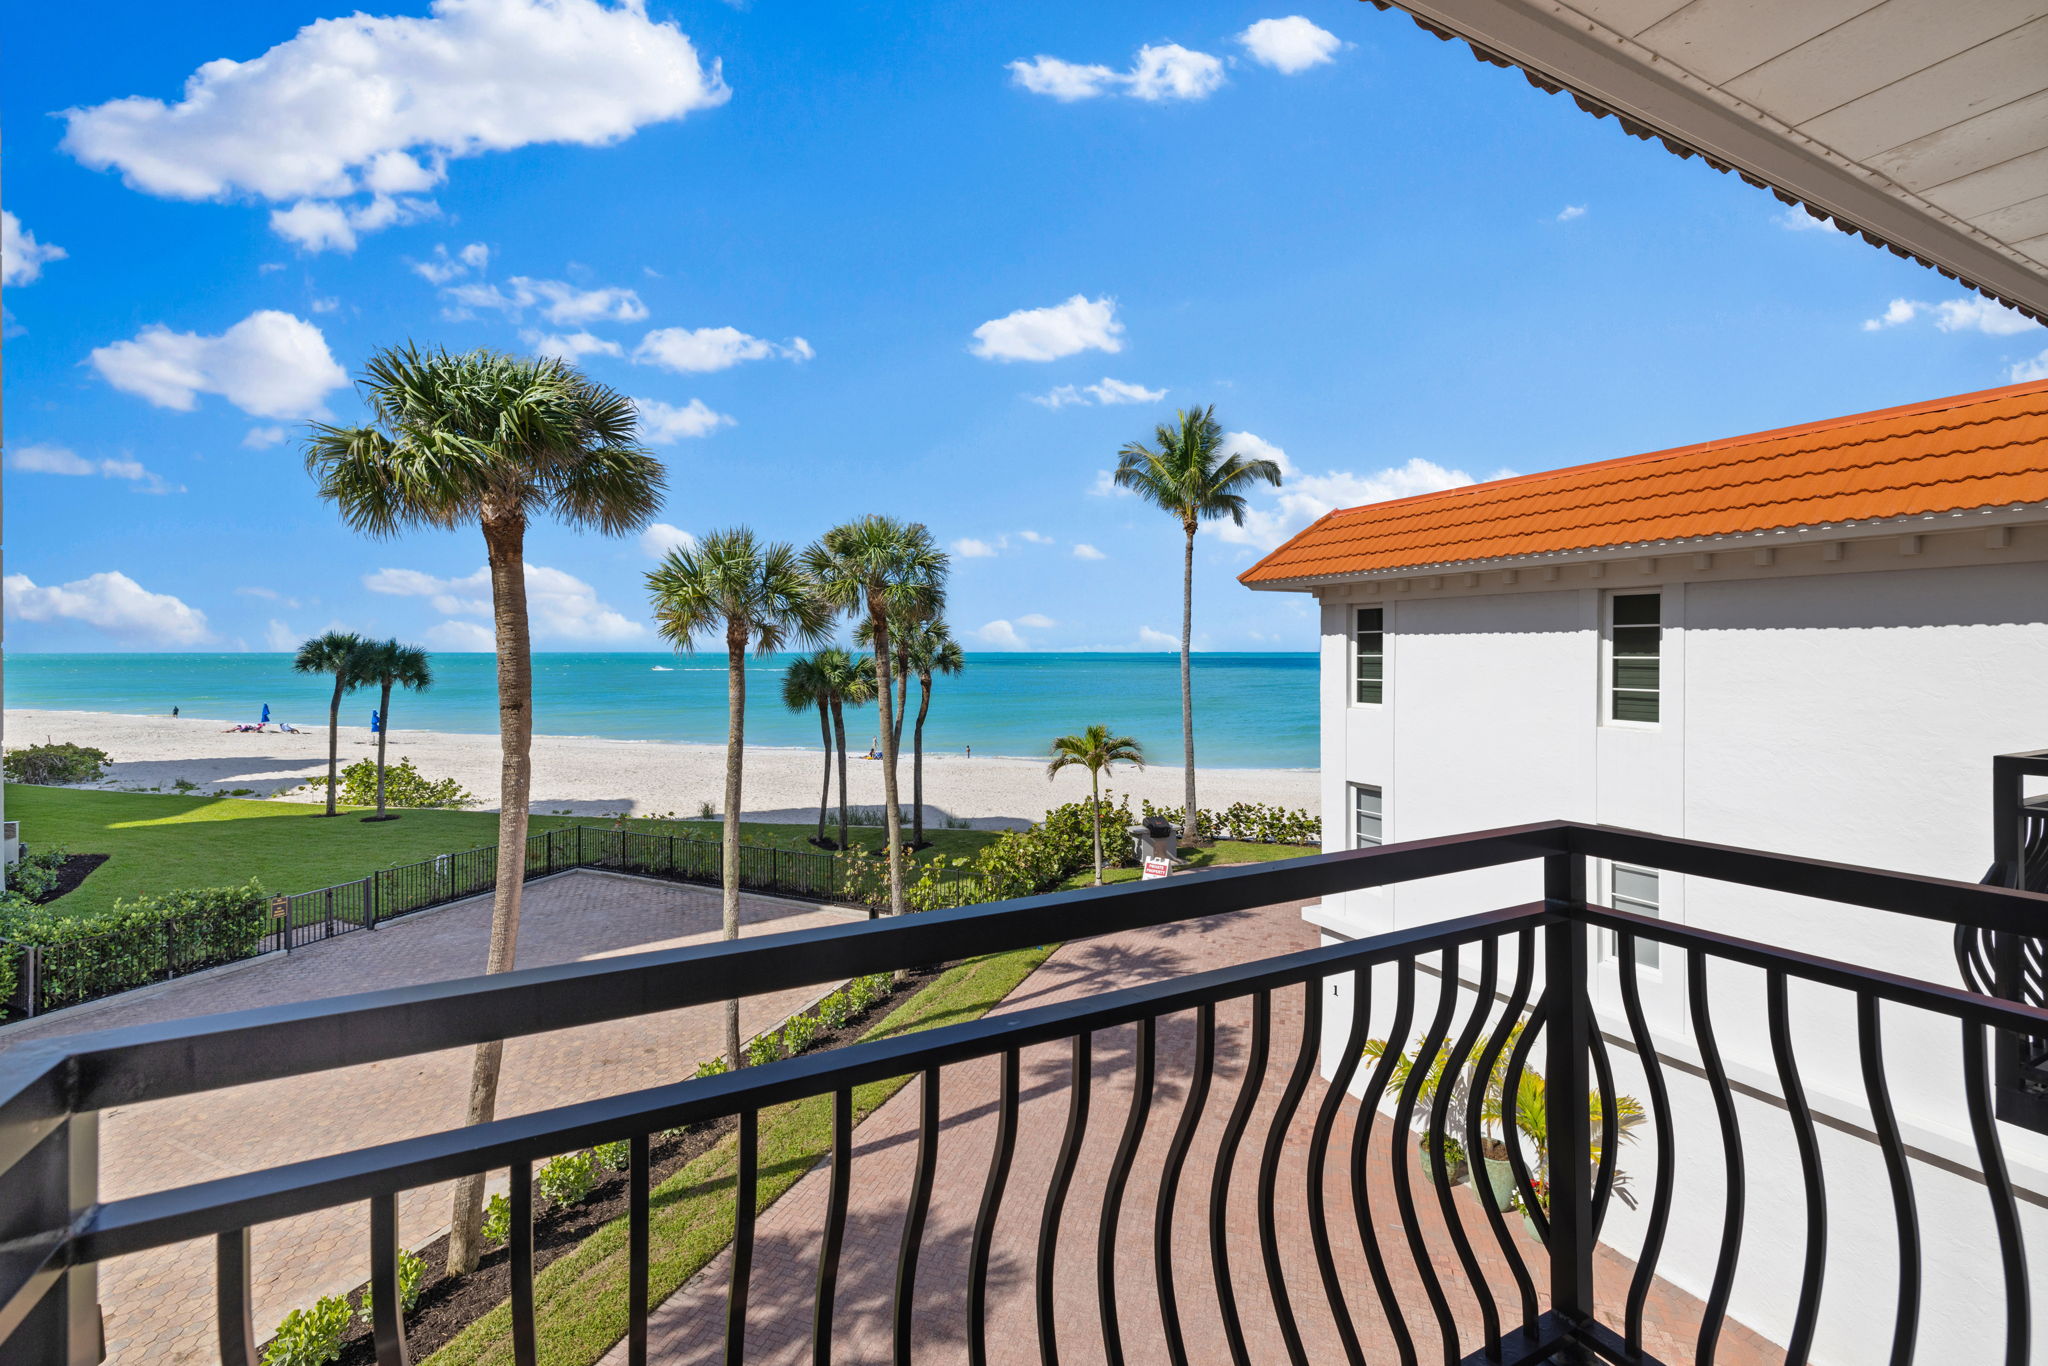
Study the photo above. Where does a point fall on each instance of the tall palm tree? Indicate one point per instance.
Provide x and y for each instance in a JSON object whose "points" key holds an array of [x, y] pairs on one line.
{"points": [[757, 597], [887, 570], [341, 653], [852, 680], [901, 631], [1096, 750], [1190, 477], [932, 651], [490, 440], [390, 664], [806, 686]]}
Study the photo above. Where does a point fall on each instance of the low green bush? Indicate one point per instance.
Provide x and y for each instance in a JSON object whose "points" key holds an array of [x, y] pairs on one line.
{"points": [[404, 785], [497, 1220], [568, 1179], [1250, 822], [412, 1280], [52, 764], [798, 1033], [711, 1067], [311, 1337], [764, 1048], [615, 1155], [34, 875], [835, 1010], [138, 942]]}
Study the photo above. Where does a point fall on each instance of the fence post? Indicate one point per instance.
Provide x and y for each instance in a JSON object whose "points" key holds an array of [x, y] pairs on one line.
{"points": [[47, 1191], [31, 983], [1567, 1029], [579, 844], [370, 902], [170, 948]]}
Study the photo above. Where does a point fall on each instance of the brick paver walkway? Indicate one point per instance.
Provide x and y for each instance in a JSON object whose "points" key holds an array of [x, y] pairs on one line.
{"points": [[690, 1326], [159, 1305]]}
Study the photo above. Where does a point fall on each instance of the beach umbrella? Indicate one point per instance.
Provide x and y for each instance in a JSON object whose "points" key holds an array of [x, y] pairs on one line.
{"points": [[376, 721], [266, 713]]}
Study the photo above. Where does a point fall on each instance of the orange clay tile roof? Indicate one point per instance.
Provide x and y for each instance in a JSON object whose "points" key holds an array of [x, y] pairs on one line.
{"points": [[1986, 449]]}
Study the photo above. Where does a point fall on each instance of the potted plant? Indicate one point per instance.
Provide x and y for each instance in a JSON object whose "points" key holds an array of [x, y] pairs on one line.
{"points": [[1456, 1164], [1532, 1120]]}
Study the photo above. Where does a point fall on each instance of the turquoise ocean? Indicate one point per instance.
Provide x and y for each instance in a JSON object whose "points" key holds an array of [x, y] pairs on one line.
{"points": [[1251, 710]]}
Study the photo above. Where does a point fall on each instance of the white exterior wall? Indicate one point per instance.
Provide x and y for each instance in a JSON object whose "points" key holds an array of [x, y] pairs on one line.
{"points": [[1842, 705]]}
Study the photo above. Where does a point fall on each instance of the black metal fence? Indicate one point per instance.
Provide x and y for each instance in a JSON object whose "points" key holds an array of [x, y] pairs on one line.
{"points": [[86, 968], [1507, 992]]}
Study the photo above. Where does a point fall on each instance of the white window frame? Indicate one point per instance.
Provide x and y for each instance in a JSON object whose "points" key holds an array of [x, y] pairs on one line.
{"points": [[1649, 952], [1607, 658], [1357, 630], [1360, 840]]}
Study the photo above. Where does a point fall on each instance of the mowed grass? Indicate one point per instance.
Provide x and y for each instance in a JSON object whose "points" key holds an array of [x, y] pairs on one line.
{"points": [[162, 842], [580, 1300]]}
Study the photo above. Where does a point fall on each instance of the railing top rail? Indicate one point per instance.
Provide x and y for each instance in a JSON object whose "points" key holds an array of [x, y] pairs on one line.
{"points": [[151, 1062], [162, 1217]]}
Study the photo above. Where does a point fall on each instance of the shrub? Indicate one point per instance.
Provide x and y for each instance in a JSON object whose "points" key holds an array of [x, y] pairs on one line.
{"points": [[835, 1010], [311, 1337], [412, 1279], [766, 1047], [711, 1067], [568, 1179], [404, 785], [1251, 822], [35, 875], [138, 942], [50, 764], [497, 1220], [798, 1033], [615, 1155]]}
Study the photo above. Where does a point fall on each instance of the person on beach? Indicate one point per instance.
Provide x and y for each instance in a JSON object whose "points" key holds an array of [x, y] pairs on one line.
{"points": [[174, 713], [970, 751]]}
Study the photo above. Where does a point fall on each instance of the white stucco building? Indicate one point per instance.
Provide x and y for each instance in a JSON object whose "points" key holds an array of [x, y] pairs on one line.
{"points": [[1811, 641]]}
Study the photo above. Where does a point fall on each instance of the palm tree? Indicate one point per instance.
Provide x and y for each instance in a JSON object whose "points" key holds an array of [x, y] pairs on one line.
{"points": [[759, 598], [932, 651], [901, 631], [806, 685], [852, 680], [1191, 478], [341, 653], [891, 571], [1096, 750], [389, 663], [491, 440]]}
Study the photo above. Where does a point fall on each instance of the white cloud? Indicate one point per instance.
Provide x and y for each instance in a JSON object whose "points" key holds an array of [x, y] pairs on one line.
{"points": [[270, 364], [1279, 513], [705, 349], [1084, 551], [257, 438], [1079, 324], [968, 548], [39, 459], [22, 258], [1970, 313], [111, 601], [1000, 634], [558, 301], [1036, 621], [267, 594], [323, 225], [1107, 392], [279, 637], [1571, 211], [326, 305], [661, 538], [462, 635], [2024, 370], [1289, 45], [1034, 537], [572, 347], [1105, 486], [1158, 640], [446, 266], [559, 604], [377, 106], [1167, 71], [664, 424], [1796, 219]]}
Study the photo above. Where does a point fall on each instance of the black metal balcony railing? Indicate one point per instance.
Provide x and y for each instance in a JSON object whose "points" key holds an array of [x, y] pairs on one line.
{"points": [[1525, 964]]}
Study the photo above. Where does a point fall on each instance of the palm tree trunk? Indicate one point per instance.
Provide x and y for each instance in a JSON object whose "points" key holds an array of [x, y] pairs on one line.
{"points": [[839, 729], [334, 744], [1095, 805], [383, 730], [735, 753], [892, 814], [504, 537], [902, 666], [924, 704], [825, 742], [1187, 683]]}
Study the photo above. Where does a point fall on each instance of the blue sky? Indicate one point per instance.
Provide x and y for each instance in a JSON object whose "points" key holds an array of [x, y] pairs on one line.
{"points": [[861, 257]]}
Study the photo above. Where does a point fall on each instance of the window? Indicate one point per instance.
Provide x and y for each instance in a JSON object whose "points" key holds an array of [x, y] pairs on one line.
{"points": [[1365, 816], [1369, 650], [1635, 640], [1633, 890]]}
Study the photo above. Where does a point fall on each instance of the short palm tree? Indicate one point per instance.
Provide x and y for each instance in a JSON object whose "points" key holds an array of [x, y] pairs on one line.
{"points": [[1189, 477], [806, 686], [1096, 750], [390, 664], [852, 680], [932, 651], [755, 597], [889, 572], [343, 654], [485, 439]]}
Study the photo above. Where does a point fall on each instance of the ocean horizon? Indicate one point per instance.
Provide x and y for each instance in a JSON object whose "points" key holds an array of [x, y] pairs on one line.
{"points": [[1252, 710]]}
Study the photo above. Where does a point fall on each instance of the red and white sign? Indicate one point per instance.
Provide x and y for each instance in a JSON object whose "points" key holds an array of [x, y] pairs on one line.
{"points": [[1158, 867]]}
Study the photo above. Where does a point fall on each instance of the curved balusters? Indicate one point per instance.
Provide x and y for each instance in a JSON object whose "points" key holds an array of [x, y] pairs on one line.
{"points": [[1318, 1160], [1667, 1153], [1905, 1212], [1169, 1182], [1361, 1140], [1226, 1159], [1484, 1066], [1456, 1079], [1419, 1073], [1731, 1158]]}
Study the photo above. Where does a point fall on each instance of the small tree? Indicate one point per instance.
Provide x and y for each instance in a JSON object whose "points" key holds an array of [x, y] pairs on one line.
{"points": [[932, 651], [852, 681], [806, 686], [343, 654], [1096, 750], [390, 664]]}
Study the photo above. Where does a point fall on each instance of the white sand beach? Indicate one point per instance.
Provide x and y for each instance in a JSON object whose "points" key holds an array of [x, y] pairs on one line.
{"points": [[581, 775]]}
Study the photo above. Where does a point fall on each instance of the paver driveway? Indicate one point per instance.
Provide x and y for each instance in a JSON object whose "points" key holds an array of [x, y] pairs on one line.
{"points": [[690, 1326], [159, 1304]]}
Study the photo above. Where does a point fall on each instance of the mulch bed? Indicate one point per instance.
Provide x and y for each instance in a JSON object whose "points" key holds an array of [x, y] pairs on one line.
{"points": [[75, 869], [448, 1304]]}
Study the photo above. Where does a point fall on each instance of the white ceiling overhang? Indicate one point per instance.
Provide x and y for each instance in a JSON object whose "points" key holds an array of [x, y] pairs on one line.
{"points": [[1921, 125]]}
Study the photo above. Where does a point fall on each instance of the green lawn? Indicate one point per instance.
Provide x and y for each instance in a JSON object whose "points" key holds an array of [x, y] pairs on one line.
{"points": [[159, 842]]}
